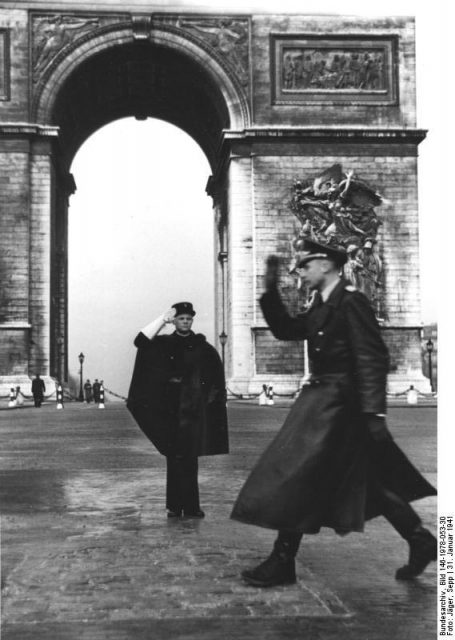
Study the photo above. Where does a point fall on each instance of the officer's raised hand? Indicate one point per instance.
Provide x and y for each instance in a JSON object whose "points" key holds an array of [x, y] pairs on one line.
{"points": [[271, 272]]}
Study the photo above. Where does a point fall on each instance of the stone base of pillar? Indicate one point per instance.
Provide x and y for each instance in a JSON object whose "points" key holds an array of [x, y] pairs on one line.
{"points": [[400, 382], [286, 385], [25, 383], [289, 385]]}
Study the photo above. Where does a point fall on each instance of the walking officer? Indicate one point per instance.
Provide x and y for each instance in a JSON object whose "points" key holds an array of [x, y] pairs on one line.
{"points": [[334, 462]]}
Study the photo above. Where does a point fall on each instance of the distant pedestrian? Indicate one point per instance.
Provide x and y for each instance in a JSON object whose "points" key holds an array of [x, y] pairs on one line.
{"points": [[38, 390], [178, 398], [96, 390], [88, 391], [334, 463]]}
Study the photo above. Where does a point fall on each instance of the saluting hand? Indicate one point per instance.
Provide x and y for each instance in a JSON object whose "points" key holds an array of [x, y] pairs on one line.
{"points": [[271, 273], [169, 315]]}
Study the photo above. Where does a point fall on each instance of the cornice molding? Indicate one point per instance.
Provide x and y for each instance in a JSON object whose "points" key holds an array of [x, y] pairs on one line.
{"points": [[326, 134], [14, 129]]}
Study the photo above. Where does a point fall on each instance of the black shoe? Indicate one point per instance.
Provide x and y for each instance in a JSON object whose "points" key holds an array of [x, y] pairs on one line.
{"points": [[423, 549], [276, 570], [194, 514], [174, 514]]}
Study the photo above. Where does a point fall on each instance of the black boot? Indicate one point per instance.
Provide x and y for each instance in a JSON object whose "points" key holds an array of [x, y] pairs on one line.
{"points": [[423, 549], [194, 514], [277, 569]]}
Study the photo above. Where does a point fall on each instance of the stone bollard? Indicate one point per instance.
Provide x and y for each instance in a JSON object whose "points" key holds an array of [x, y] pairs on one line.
{"points": [[59, 397], [412, 395], [12, 398], [101, 402]]}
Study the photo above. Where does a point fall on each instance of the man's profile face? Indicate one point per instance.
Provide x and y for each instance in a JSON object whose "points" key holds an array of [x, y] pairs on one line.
{"points": [[313, 273], [183, 322]]}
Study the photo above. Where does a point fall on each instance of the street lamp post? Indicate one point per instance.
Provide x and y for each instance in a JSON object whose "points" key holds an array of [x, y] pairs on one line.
{"points": [[430, 348], [223, 339], [81, 392]]}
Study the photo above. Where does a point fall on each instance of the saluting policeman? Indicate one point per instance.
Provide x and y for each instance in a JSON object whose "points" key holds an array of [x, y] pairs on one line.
{"points": [[178, 398], [334, 463]]}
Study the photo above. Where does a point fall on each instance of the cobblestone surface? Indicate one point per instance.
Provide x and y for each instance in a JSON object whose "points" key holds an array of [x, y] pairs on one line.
{"points": [[89, 553]]}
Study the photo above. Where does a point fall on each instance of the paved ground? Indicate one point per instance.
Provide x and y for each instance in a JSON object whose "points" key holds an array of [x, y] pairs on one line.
{"points": [[88, 554]]}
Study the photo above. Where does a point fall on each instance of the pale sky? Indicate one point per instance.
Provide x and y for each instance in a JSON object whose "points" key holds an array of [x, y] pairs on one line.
{"points": [[140, 239], [141, 208]]}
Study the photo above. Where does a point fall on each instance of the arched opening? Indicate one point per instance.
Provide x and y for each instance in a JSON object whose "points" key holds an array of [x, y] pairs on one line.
{"points": [[142, 80], [110, 83], [140, 237]]}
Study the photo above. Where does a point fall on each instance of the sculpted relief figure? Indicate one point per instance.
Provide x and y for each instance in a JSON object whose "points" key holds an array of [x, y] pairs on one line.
{"points": [[338, 209], [226, 35], [51, 34], [317, 69]]}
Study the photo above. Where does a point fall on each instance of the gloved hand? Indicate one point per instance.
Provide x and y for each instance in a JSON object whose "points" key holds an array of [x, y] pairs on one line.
{"points": [[271, 273], [169, 315], [154, 327], [377, 427]]}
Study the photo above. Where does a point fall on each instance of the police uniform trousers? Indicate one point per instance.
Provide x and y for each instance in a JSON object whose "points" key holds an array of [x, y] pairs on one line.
{"points": [[182, 490]]}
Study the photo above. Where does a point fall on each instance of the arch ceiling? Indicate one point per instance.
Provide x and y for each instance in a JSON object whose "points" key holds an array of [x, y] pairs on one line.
{"points": [[140, 79]]}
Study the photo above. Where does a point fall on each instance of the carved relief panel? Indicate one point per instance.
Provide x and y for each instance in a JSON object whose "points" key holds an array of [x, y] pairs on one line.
{"points": [[52, 33], [337, 69], [228, 36]]}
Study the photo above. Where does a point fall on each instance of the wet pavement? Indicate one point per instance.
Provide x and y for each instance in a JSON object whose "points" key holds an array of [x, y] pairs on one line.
{"points": [[88, 553]]}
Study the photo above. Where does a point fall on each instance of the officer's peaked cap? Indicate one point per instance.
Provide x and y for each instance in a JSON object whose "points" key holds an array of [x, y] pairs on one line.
{"points": [[315, 250], [183, 308]]}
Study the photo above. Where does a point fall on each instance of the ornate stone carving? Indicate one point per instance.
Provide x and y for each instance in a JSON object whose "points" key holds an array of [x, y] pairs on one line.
{"points": [[353, 69], [331, 70], [50, 34], [337, 208], [228, 36]]}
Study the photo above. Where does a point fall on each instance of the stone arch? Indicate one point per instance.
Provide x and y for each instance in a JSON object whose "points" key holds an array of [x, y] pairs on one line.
{"points": [[205, 60], [114, 72]]}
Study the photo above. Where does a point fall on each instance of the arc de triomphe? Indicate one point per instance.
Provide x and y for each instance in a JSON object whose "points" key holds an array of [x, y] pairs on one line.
{"points": [[270, 98]]}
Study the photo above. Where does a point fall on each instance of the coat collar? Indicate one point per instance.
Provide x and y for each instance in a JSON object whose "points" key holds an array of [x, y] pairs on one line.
{"points": [[319, 316], [191, 337], [337, 293]]}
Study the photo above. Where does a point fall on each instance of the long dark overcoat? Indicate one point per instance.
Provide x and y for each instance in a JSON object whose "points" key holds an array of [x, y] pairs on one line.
{"points": [[38, 388], [323, 467], [185, 418]]}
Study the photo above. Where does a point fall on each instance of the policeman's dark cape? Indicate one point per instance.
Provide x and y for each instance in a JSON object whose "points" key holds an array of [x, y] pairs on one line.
{"points": [[323, 468], [201, 415]]}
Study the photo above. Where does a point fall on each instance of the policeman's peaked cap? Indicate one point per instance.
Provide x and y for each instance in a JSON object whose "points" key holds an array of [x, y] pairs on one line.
{"points": [[315, 250], [184, 308]]}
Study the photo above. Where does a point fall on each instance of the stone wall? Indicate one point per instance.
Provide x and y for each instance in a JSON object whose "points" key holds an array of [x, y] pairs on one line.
{"points": [[266, 29], [391, 168]]}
